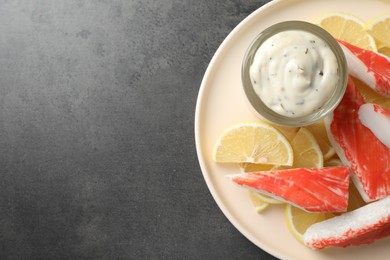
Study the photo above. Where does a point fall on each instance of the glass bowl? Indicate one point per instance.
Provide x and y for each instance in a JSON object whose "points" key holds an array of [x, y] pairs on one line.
{"points": [[267, 113]]}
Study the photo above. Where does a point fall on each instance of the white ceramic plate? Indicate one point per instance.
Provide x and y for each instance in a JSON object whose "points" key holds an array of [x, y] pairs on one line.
{"points": [[222, 103]]}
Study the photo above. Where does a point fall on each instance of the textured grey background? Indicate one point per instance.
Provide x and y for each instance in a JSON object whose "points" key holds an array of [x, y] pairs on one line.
{"points": [[97, 154]]}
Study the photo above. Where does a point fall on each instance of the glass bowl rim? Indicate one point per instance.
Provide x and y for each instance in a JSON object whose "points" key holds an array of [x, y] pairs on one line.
{"points": [[263, 110]]}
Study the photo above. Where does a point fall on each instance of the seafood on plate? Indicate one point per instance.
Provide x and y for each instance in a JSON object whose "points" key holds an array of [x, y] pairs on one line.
{"points": [[311, 189], [361, 226], [377, 119], [370, 67], [358, 147]]}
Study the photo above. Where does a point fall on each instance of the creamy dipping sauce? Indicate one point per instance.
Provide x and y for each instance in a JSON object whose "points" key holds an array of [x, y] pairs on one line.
{"points": [[294, 73]]}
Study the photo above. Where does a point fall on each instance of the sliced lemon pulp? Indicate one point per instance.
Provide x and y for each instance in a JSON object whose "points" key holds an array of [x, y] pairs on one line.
{"points": [[258, 203], [299, 220], [333, 162], [348, 28], [370, 96], [319, 132], [253, 143], [307, 153], [379, 28]]}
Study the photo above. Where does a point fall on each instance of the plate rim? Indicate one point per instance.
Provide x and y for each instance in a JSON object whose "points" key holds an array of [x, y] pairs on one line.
{"points": [[202, 163], [199, 114]]}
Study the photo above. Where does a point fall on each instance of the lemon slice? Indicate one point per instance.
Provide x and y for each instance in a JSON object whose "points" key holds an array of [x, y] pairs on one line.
{"points": [[370, 96], [379, 28], [307, 153], [299, 220], [287, 131], [319, 132], [354, 199], [268, 199], [333, 162], [384, 50], [348, 28], [253, 143], [259, 204], [253, 167]]}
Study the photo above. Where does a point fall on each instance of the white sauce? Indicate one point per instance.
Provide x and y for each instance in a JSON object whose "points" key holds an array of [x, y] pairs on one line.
{"points": [[294, 73]]}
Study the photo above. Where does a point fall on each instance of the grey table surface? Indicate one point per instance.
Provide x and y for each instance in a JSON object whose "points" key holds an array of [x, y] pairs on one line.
{"points": [[97, 149]]}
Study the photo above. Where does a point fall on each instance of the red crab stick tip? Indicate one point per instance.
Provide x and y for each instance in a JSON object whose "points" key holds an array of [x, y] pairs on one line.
{"points": [[370, 67], [313, 190]]}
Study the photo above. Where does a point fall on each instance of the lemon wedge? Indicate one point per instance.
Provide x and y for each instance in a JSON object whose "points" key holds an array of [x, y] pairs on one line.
{"points": [[370, 96], [299, 220], [319, 132], [379, 28], [307, 153], [258, 203], [348, 28], [384, 50], [253, 143], [333, 162]]}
